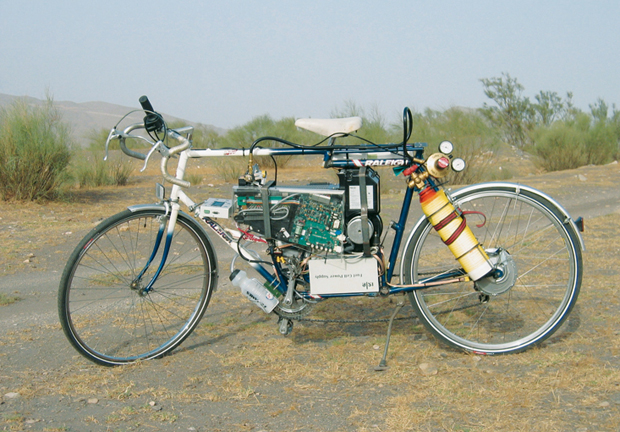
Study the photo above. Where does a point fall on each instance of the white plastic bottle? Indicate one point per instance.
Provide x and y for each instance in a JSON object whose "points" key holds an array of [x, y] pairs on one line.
{"points": [[254, 290]]}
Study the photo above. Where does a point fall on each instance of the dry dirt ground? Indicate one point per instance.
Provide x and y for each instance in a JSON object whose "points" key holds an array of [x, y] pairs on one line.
{"points": [[237, 373]]}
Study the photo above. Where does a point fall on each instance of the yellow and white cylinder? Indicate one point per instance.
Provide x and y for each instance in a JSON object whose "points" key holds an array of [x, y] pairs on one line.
{"points": [[453, 230]]}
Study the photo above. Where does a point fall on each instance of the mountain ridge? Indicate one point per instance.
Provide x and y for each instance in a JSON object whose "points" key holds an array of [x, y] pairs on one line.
{"points": [[84, 117]]}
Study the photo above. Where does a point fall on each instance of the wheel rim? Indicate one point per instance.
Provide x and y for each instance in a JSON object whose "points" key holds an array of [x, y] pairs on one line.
{"points": [[110, 315], [517, 316]]}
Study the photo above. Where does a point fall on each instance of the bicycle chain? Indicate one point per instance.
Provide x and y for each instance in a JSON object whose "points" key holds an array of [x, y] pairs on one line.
{"points": [[349, 321]]}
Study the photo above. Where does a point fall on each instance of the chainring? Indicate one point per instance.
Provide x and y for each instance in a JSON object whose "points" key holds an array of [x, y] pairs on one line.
{"points": [[299, 309]]}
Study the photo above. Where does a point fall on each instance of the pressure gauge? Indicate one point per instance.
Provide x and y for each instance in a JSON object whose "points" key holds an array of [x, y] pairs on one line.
{"points": [[446, 147], [458, 164]]}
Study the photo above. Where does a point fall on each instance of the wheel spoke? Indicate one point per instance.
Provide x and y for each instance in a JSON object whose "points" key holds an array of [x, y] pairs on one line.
{"points": [[102, 306], [540, 255]]}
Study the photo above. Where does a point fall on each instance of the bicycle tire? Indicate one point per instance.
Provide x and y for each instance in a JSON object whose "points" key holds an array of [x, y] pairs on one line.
{"points": [[104, 310], [543, 251]]}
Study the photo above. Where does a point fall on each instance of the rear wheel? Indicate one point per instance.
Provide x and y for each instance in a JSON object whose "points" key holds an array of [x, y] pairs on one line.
{"points": [[527, 237], [107, 309]]}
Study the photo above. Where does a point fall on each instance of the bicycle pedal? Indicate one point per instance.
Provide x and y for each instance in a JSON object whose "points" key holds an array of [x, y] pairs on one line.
{"points": [[285, 326]]}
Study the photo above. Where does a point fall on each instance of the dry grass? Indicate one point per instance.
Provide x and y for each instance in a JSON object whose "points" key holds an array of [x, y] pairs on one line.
{"points": [[235, 360], [237, 373], [7, 299]]}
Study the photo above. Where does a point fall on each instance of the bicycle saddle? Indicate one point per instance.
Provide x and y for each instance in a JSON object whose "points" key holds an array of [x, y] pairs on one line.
{"points": [[330, 127]]}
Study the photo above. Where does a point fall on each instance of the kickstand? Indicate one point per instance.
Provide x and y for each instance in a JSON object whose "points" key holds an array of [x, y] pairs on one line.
{"points": [[383, 365]]}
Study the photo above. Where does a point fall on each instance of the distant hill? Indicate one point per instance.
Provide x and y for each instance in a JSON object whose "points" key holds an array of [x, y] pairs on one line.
{"points": [[84, 117]]}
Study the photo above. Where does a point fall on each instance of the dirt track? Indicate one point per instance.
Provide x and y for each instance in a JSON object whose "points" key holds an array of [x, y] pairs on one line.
{"points": [[237, 373]]}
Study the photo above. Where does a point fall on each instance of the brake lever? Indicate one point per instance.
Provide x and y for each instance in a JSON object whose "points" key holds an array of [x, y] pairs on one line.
{"points": [[161, 148], [114, 134]]}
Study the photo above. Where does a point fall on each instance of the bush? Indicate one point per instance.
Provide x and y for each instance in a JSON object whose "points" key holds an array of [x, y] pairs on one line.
{"points": [[232, 169], [513, 114], [374, 126], [601, 143], [559, 147], [264, 126], [473, 139], [569, 144], [93, 171], [34, 151]]}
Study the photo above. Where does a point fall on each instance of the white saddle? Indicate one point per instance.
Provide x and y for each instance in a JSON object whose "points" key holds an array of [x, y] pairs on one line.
{"points": [[330, 127]]}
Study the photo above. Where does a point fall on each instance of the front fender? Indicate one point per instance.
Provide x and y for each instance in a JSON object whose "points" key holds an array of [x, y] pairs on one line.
{"points": [[518, 188]]}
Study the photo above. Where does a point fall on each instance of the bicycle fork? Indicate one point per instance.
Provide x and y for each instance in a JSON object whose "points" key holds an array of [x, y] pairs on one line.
{"points": [[166, 226]]}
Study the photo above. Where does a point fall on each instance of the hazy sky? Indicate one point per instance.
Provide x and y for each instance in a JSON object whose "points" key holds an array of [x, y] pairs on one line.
{"points": [[225, 62]]}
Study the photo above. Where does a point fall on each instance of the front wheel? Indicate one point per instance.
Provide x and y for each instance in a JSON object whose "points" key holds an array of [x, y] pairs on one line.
{"points": [[536, 249], [109, 310]]}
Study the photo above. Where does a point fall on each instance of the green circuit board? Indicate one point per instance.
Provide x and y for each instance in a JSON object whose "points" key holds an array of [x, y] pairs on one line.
{"points": [[318, 222], [314, 219]]}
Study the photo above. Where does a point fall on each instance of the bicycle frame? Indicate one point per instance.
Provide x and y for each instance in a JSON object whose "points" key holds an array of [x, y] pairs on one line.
{"points": [[349, 157]]}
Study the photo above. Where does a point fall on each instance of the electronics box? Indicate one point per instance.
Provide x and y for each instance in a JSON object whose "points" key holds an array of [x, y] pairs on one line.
{"points": [[309, 216], [343, 275], [215, 207], [350, 182]]}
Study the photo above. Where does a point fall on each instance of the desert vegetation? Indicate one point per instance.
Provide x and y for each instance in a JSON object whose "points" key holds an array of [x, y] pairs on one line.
{"points": [[38, 161], [91, 170], [35, 152], [559, 135]]}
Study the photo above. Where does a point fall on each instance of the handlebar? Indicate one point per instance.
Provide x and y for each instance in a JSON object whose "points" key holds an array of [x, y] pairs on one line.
{"points": [[185, 144], [153, 122]]}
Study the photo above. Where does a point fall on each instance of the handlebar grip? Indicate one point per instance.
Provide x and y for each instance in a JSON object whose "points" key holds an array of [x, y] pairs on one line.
{"points": [[153, 121], [146, 104]]}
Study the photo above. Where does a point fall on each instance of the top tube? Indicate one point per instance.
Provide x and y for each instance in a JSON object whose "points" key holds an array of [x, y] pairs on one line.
{"points": [[345, 156]]}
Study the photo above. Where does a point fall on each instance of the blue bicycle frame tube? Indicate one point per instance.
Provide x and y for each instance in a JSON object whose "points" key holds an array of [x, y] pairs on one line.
{"points": [[160, 234], [399, 229], [169, 234]]}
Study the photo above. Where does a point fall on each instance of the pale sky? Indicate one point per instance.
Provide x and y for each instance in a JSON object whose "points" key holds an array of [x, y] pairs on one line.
{"points": [[225, 62]]}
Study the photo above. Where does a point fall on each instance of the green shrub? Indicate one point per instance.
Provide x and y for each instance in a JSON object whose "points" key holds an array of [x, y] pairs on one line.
{"points": [[264, 126], [474, 140], [230, 169], [6, 299], [569, 144], [601, 143], [92, 171], [121, 171], [193, 177], [34, 151], [558, 147], [374, 126]]}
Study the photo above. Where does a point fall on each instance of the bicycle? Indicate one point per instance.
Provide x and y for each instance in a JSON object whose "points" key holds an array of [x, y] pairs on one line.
{"points": [[491, 268]]}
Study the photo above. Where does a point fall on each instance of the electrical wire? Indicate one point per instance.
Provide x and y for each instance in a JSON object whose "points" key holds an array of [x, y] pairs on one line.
{"points": [[256, 261], [391, 148]]}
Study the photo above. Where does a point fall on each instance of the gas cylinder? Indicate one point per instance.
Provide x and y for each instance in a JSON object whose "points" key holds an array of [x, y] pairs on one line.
{"points": [[453, 230]]}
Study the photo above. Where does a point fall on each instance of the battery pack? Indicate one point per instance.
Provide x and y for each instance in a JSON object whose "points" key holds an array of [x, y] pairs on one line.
{"points": [[343, 275]]}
